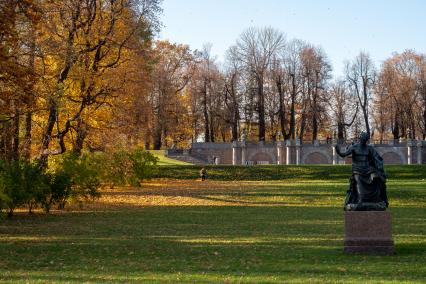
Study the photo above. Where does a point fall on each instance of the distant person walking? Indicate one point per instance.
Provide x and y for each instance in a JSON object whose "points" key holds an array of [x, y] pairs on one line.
{"points": [[203, 174]]}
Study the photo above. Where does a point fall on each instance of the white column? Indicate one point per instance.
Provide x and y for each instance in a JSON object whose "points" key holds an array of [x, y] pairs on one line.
{"points": [[243, 153], [279, 152], [234, 153], [288, 153], [334, 156], [419, 152], [298, 152], [297, 155], [409, 152]]}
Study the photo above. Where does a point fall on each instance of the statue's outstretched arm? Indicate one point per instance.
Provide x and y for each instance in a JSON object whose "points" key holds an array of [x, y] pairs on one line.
{"points": [[343, 154]]}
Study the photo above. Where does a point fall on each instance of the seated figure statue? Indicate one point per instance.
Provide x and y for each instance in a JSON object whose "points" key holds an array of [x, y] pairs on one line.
{"points": [[367, 185]]}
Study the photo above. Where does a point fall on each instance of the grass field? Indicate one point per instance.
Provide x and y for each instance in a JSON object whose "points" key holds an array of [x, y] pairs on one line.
{"points": [[285, 224], [163, 160]]}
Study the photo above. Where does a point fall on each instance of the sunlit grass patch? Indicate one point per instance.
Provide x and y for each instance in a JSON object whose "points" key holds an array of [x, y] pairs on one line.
{"points": [[163, 160]]}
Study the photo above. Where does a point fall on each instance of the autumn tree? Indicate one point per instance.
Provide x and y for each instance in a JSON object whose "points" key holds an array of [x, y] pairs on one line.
{"points": [[172, 72], [232, 92], [361, 76], [294, 69], [401, 84], [421, 80], [383, 108], [343, 108], [86, 42], [315, 76], [18, 20], [255, 49]]}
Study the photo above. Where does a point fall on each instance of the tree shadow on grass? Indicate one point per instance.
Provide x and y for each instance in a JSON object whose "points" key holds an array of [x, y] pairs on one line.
{"points": [[296, 242], [233, 195]]}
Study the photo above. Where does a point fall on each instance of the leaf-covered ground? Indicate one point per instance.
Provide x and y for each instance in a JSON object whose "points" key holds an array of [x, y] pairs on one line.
{"points": [[180, 230]]}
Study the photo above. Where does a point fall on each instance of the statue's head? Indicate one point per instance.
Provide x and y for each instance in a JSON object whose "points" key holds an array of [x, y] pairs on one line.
{"points": [[364, 137]]}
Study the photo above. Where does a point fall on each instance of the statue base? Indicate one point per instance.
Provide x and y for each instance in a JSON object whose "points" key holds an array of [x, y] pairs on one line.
{"points": [[368, 232]]}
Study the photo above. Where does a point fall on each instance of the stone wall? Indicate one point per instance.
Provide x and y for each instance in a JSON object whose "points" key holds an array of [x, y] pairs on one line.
{"points": [[208, 151], [286, 152]]}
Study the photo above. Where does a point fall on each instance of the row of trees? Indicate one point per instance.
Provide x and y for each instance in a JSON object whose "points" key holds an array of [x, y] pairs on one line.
{"points": [[280, 85], [285, 87]]}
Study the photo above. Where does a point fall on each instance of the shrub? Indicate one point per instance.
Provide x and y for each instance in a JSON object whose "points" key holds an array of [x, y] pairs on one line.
{"points": [[21, 183], [4, 199], [126, 167], [60, 185], [143, 165], [71, 178], [76, 178]]}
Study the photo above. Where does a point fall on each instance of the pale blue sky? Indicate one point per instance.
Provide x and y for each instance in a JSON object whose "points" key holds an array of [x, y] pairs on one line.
{"points": [[341, 28]]}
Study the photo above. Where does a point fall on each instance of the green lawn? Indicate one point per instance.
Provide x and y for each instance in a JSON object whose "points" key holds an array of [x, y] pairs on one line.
{"points": [[246, 230], [280, 172], [166, 161]]}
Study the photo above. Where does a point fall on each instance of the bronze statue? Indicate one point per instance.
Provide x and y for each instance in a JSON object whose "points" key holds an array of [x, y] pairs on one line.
{"points": [[367, 185]]}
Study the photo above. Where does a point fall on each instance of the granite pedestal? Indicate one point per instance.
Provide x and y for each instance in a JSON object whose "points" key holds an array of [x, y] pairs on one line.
{"points": [[368, 232]]}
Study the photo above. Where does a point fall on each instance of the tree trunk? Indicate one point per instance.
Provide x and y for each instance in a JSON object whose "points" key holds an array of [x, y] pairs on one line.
{"points": [[314, 127], [424, 122], [314, 119], [158, 131], [7, 141], [81, 135], [302, 127], [212, 131], [292, 108], [15, 134], [206, 115], [30, 103], [52, 102], [47, 133], [261, 109], [28, 138], [395, 130], [235, 125], [340, 132], [281, 108], [367, 125], [365, 107], [315, 111], [235, 111], [2, 141]]}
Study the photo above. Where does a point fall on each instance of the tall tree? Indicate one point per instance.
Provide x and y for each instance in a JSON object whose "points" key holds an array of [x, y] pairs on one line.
{"points": [[401, 82], [256, 48], [17, 22], [361, 76], [316, 73], [173, 71], [343, 108], [232, 93], [294, 70], [86, 40]]}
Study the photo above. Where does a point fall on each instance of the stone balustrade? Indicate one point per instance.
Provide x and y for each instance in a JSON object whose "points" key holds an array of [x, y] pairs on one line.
{"points": [[297, 152]]}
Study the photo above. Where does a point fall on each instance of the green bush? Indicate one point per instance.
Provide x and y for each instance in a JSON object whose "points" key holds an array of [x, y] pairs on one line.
{"points": [[4, 199], [70, 178], [126, 167], [143, 165], [76, 178], [22, 183], [60, 185]]}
